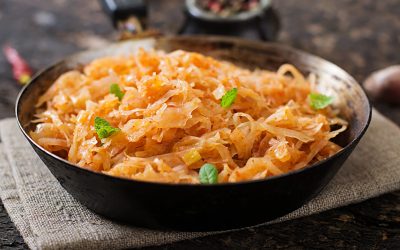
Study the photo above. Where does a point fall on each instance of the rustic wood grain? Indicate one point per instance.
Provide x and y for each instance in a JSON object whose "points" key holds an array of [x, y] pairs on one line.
{"points": [[360, 36]]}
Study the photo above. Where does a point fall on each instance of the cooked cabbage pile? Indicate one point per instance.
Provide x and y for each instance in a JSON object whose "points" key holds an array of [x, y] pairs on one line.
{"points": [[183, 117]]}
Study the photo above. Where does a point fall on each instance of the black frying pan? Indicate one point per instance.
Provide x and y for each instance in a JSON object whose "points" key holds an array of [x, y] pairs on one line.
{"points": [[204, 207]]}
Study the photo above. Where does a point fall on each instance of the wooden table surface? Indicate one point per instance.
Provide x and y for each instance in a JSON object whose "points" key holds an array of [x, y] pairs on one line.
{"points": [[360, 36]]}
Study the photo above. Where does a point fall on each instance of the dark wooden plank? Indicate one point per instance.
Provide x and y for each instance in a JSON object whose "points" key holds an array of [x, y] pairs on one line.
{"points": [[9, 236], [360, 36]]}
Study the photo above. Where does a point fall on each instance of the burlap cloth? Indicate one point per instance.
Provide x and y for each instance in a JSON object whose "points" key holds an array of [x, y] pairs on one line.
{"points": [[48, 217]]}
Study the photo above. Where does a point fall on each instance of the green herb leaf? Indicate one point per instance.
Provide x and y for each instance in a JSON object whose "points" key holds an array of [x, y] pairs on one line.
{"points": [[103, 128], [319, 101], [114, 89], [229, 97], [208, 174]]}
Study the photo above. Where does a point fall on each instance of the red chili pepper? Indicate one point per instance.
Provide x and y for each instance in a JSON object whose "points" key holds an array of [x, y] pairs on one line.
{"points": [[21, 70]]}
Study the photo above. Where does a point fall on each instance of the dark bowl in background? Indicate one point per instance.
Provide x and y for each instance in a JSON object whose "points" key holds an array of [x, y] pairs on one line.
{"points": [[204, 207]]}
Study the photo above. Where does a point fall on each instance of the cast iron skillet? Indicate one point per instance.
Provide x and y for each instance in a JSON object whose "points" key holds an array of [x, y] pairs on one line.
{"points": [[204, 207]]}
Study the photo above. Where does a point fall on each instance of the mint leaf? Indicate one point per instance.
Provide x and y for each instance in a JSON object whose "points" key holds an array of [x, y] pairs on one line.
{"points": [[229, 97], [208, 174], [103, 128], [114, 89], [319, 101]]}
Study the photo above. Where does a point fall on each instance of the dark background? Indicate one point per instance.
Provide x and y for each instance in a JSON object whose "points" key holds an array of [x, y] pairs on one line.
{"points": [[360, 36]]}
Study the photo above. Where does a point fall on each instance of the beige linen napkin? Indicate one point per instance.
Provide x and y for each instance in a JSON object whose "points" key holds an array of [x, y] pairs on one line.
{"points": [[49, 218]]}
